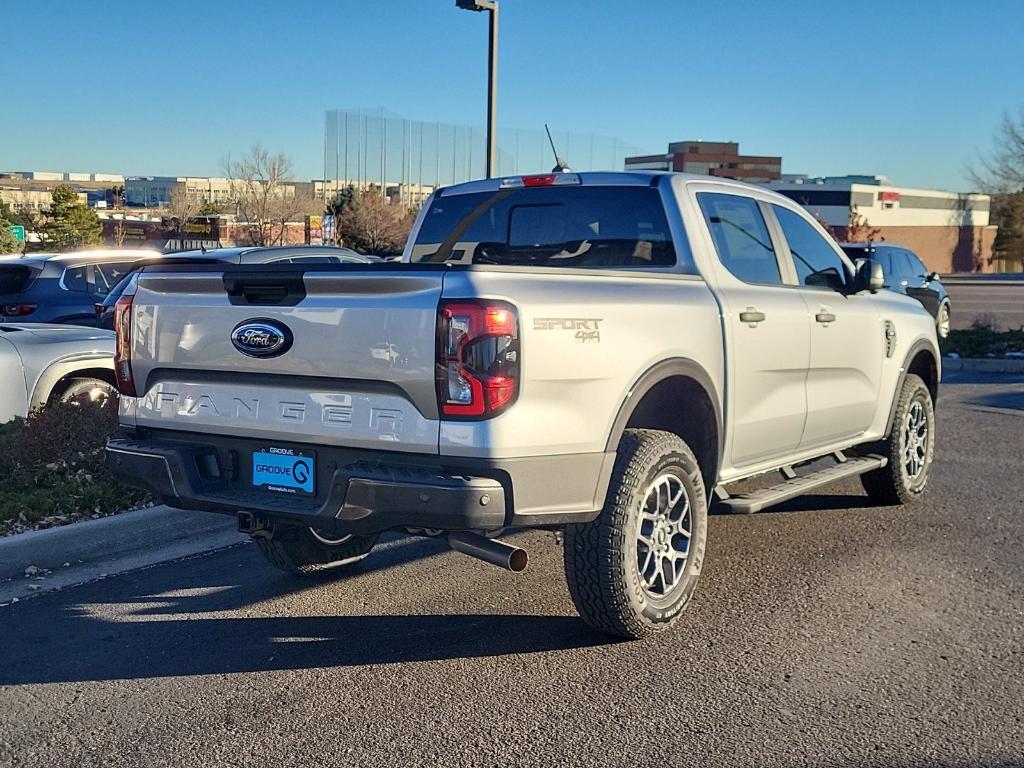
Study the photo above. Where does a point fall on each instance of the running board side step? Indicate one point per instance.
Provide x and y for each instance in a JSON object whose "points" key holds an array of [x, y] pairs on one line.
{"points": [[755, 501]]}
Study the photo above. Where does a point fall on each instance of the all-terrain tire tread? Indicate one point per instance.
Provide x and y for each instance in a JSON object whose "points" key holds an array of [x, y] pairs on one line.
{"points": [[886, 486], [591, 550]]}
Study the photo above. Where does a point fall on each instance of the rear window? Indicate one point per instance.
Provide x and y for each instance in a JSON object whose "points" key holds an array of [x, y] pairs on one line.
{"points": [[109, 274], [14, 279], [587, 227]]}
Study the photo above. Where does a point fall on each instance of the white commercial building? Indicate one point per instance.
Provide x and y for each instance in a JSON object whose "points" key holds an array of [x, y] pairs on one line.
{"points": [[950, 231]]}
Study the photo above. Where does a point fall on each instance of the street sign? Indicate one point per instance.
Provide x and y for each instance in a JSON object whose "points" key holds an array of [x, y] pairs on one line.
{"points": [[19, 232]]}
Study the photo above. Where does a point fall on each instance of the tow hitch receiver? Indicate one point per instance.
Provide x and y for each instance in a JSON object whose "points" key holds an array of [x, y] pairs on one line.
{"points": [[254, 525]]}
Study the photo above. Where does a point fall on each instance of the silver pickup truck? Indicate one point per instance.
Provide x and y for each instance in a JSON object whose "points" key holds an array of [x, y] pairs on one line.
{"points": [[601, 353]]}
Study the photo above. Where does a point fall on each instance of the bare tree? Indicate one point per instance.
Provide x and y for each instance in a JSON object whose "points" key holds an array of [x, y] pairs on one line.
{"points": [[372, 224], [858, 230], [264, 197], [181, 208], [1002, 171], [1001, 175], [120, 232]]}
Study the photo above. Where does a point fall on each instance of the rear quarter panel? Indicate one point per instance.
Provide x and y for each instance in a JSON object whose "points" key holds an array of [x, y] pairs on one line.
{"points": [[586, 339]]}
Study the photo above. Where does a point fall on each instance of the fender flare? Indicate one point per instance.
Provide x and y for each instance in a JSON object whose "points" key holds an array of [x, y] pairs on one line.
{"points": [[921, 345], [657, 373], [57, 370]]}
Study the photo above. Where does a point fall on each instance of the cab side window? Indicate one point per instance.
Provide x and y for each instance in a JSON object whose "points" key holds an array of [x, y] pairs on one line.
{"points": [[817, 263], [903, 268], [884, 257], [76, 279], [741, 237], [917, 267]]}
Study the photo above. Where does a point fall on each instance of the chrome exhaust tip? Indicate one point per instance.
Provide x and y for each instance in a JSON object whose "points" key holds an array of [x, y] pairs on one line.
{"points": [[489, 550]]}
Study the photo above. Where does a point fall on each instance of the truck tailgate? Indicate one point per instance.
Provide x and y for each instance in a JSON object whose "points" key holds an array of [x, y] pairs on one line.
{"points": [[359, 371]]}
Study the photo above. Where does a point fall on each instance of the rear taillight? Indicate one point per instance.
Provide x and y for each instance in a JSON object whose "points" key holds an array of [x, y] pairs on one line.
{"points": [[19, 310], [123, 346], [477, 358]]}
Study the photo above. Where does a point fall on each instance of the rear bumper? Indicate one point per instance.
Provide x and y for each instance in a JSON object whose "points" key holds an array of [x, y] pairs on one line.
{"points": [[367, 492]]}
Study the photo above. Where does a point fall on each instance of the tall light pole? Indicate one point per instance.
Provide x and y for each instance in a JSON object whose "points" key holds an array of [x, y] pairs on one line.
{"points": [[491, 6]]}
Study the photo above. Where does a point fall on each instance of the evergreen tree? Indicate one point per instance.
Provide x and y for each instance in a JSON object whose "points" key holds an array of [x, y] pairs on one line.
{"points": [[8, 242], [71, 224], [342, 200]]}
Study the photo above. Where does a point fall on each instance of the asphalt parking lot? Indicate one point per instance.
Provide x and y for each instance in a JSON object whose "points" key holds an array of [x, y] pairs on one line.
{"points": [[824, 633], [986, 298]]}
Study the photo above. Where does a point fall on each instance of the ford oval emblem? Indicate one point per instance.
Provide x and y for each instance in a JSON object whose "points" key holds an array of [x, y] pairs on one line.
{"points": [[261, 337]]}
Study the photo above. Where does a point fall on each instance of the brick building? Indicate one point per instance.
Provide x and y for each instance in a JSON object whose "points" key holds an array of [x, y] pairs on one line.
{"points": [[714, 158]]}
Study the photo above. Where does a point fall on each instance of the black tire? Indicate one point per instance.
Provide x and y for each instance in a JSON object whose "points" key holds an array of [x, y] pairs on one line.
{"points": [[302, 550], [82, 389], [895, 483], [604, 561]]}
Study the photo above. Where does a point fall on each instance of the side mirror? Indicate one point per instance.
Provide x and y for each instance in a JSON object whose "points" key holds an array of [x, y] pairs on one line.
{"points": [[869, 276], [932, 277]]}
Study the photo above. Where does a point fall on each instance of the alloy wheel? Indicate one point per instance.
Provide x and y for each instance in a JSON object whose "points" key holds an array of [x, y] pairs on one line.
{"points": [[943, 325], [663, 535], [915, 440]]}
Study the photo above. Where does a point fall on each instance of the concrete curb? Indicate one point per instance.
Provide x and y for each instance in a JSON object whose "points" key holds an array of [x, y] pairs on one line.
{"points": [[97, 548], [983, 364]]}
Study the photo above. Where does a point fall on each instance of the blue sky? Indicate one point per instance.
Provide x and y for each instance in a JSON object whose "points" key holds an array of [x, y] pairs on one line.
{"points": [[913, 90]]}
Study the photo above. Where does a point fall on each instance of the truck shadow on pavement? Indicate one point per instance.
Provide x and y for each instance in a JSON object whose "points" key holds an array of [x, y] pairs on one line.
{"points": [[1013, 401], [157, 623]]}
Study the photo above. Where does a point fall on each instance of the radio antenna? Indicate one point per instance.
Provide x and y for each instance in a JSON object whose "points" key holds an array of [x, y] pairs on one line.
{"points": [[560, 165]]}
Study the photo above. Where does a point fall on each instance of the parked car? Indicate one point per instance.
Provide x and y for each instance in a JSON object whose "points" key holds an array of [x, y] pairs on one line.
{"points": [[287, 254], [602, 353], [43, 363], [62, 288], [905, 273]]}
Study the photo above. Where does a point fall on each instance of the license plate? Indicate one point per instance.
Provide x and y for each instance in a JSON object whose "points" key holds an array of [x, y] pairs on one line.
{"points": [[284, 470]]}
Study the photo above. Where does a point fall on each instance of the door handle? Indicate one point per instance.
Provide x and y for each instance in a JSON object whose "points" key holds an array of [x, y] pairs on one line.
{"points": [[825, 317], [752, 316]]}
